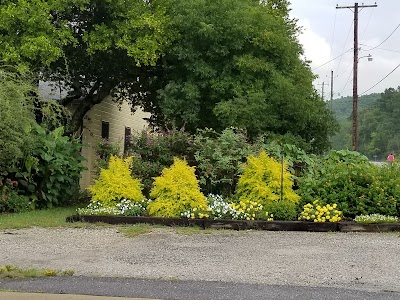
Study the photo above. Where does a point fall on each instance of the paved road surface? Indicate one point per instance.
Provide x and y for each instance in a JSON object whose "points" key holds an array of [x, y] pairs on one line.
{"points": [[183, 290]]}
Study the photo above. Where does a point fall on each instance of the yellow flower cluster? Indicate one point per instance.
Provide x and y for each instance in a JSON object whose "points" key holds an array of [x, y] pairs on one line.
{"points": [[250, 210], [317, 213], [198, 213]]}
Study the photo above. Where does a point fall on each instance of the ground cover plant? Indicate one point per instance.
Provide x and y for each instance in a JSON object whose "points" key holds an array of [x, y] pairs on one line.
{"points": [[376, 218], [10, 271]]}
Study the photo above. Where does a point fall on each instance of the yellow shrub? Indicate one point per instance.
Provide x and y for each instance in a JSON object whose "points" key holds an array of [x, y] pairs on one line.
{"points": [[116, 183], [176, 191], [261, 181], [317, 213]]}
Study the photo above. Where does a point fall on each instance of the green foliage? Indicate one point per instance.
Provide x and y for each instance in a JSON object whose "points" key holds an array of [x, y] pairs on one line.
{"points": [[378, 126], [93, 48], [237, 63], [220, 158], [290, 147], [10, 200], [282, 210], [16, 120], [261, 181], [104, 150], [153, 152], [50, 173], [343, 107], [115, 183], [176, 191], [348, 179]]}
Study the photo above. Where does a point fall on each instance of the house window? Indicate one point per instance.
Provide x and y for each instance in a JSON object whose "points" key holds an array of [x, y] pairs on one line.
{"points": [[105, 130], [128, 133]]}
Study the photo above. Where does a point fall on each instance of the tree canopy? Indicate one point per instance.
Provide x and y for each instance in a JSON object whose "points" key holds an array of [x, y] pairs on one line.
{"points": [[237, 63], [191, 63], [91, 48]]}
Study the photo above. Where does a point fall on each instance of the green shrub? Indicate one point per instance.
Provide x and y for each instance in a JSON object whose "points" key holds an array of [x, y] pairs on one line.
{"points": [[261, 181], [155, 151], [282, 210], [50, 173], [220, 158], [176, 191], [104, 150], [116, 183], [16, 120], [10, 200], [358, 187]]}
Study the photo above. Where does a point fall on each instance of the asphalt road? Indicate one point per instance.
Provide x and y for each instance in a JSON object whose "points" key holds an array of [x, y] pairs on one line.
{"points": [[193, 290]]}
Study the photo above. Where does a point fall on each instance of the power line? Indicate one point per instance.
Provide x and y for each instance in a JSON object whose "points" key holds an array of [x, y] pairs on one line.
{"points": [[332, 37], [381, 80], [391, 50], [344, 46], [386, 38], [331, 60]]}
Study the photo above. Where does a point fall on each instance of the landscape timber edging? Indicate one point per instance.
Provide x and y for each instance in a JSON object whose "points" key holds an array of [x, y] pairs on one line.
{"points": [[344, 226]]}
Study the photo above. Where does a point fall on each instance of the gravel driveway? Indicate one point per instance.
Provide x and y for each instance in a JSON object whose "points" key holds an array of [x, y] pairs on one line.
{"points": [[367, 261]]}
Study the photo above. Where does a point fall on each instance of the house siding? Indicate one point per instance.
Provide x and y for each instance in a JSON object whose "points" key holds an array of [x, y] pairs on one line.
{"points": [[119, 117]]}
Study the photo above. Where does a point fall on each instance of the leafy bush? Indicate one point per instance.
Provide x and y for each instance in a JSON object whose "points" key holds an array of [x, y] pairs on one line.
{"points": [[176, 191], [116, 183], [155, 151], [317, 213], [348, 179], [50, 173], [10, 200], [376, 218], [16, 120], [261, 181], [282, 210], [104, 150], [220, 158]]}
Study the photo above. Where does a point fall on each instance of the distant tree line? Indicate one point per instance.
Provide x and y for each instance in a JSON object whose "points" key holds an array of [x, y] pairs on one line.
{"points": [[378, 124]]}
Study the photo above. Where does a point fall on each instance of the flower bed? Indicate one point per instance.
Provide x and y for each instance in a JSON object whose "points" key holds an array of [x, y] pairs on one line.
{"points": [[344, 226]]}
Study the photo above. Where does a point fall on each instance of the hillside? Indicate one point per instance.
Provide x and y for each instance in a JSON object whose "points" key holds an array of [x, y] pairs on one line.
{"points": [[343, 106]]}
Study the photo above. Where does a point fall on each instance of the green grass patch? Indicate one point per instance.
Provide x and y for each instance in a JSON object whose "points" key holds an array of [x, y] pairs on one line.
{"points": [[138, 229], [55, 217], [10, 271]]}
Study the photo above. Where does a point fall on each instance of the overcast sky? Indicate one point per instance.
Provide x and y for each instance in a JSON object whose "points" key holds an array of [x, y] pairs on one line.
{"points": [[328, 32]]}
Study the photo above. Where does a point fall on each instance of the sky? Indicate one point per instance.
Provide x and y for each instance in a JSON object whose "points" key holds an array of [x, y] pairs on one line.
{"points": [[328, 33]]}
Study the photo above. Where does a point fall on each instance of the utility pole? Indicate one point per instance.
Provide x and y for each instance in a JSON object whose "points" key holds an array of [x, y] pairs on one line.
{"points": [[331, 90], [355, 68], [322, 89]]}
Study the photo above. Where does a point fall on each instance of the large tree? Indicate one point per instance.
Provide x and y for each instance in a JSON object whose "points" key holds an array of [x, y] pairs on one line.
{"points": [[191, 63], [238, 63], [92, 48]]}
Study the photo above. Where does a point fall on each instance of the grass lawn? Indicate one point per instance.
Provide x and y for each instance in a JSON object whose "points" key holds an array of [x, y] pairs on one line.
{"points": [[56, 217], [41, 218]]}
